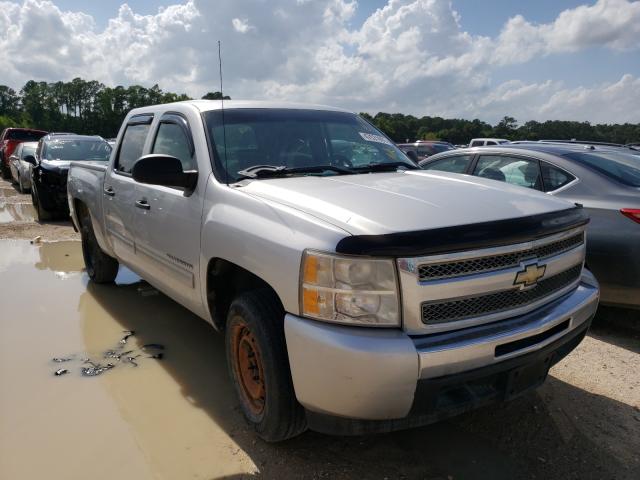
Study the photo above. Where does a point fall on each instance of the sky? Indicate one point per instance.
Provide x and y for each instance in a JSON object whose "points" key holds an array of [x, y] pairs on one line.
{"points": [[534, 60]]}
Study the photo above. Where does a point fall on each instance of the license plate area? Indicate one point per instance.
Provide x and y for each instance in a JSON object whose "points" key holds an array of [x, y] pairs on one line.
{"points": [[527, 377]]}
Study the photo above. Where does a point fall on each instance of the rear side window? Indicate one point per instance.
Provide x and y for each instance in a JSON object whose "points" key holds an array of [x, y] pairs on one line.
{"points": [[622, 167], [554, 178], [491, 142], [131, 147], [514, 170], [172, 140], [457, 164]]}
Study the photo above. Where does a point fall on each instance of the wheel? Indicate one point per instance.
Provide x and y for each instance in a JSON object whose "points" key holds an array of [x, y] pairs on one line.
{"points": [[6, 173], [259, 366], [42, 213], [101, 267]]}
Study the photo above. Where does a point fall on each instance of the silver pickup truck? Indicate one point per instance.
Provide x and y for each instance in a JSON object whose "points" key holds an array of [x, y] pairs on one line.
{"points": [[356, 292]]}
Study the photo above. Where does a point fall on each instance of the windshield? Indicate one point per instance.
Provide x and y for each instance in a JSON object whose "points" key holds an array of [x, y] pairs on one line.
{"points": [[28, 150], [296, 139], [76, 149], [623, 167]]}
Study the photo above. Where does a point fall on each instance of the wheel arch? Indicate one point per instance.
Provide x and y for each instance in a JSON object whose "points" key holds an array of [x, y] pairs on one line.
{"points": [[224, 281]]}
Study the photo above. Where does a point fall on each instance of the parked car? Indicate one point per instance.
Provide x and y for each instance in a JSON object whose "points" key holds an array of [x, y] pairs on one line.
{"points": [[50, 166], [425, 148], [481, 142], [605, 179], [355, 296], [10, 139], [20, 169]]}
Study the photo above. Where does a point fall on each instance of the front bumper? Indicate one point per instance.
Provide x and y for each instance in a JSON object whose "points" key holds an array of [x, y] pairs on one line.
{"points": [[353, 380]]}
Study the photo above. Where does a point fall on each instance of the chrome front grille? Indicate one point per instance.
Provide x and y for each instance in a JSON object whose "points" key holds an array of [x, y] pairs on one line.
{"points": [[456, 290], [458, 268], [460, 309]]}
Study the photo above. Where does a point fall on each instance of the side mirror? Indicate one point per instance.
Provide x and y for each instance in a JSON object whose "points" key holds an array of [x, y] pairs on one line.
{"points": [[412, 155], [30, 159], [166, 170]]}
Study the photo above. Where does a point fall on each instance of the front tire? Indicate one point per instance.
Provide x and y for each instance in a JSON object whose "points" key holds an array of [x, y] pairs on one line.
{"points": [[42, 213], [259, 366], [100, 267]]}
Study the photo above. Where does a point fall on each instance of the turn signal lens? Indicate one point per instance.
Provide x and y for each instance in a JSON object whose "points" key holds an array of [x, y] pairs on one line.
{"points": [[632, 213], [349, 290]]}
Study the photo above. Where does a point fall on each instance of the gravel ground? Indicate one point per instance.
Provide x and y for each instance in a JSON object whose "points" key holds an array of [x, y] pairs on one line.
{"points": [[583, 423]]}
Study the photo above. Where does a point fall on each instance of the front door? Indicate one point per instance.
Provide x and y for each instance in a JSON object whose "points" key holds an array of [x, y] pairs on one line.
{"points": [[169, 219], [119, 189]]}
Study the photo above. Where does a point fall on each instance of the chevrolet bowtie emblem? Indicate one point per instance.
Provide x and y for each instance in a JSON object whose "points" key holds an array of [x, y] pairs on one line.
{"points": [[530, 275]]}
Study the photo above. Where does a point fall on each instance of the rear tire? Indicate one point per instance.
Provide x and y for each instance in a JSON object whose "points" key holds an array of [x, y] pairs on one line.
{"points": [[101, 267], [259, 366], [42, 213]]}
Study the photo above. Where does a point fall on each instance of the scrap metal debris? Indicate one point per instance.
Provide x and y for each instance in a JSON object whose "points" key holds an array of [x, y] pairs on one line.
{"points": [[116, 356], [127, 334]]}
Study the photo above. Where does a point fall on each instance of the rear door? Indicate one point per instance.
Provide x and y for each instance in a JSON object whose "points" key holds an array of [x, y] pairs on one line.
{"points": [[168, 219], [119, 189]]}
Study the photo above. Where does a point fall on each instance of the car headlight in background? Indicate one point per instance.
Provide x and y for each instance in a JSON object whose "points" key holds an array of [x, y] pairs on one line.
{"points": [[349, 290]]}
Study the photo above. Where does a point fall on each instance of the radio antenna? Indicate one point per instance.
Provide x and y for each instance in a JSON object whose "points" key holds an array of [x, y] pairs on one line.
{"points": [[224, 130]]}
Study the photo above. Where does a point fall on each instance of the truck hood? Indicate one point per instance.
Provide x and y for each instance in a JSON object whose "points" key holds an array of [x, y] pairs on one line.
{"points": [[379, 203]]}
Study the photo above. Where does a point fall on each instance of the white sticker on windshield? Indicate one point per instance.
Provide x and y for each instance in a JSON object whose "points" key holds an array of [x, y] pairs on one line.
{"points": [[370, 137]]}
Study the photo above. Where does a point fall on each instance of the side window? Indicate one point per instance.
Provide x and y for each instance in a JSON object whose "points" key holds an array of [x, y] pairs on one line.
{"points": [[455, 164], [171, 139], [477, 143], [491, 142], [554, 177], [131, 147], [514, 170]]}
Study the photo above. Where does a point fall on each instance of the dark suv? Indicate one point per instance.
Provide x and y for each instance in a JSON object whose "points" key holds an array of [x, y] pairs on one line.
{"points": [[10, 139], [422, 149], [54, 154]]}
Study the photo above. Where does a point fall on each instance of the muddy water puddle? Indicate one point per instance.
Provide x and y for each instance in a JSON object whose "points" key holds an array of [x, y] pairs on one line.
{"points": [[169, 417], [16, 212]]}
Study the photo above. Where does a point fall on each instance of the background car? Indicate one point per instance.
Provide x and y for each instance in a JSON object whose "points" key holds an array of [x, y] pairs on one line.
{"points": [[482, 142], [425, 148], [50, 167], [20, 169], [604, 179], [10, 139]]}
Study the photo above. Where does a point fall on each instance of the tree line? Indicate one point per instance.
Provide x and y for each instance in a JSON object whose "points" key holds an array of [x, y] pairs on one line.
{"points": [[90, 107], [79, 106]]}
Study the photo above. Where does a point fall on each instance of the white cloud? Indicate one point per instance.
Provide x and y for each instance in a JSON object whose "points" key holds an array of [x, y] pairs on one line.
{"points": [[241, 26], [411, 55]]}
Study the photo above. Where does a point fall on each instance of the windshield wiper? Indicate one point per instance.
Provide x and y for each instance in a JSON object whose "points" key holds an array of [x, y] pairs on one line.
{"points": [[265, 171], [383, 167]]}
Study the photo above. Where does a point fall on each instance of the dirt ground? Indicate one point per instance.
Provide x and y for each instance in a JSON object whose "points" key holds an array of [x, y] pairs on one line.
{"points": [[177, 417]]}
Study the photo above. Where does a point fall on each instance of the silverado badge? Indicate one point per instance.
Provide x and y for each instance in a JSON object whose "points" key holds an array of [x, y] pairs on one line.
{"points": [[530, 275]]}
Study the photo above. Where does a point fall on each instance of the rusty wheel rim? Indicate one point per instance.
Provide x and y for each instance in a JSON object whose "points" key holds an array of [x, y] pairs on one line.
{"points": [[248, 367]]}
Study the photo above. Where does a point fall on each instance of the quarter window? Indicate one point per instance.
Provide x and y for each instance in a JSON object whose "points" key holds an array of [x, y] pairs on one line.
{"points": [[131, 147], [172, 140], [514, 170], [455, 164], [553, 177]]}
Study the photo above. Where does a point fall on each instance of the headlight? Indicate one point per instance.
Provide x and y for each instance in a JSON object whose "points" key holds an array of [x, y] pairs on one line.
{"points": [[349, 290]]}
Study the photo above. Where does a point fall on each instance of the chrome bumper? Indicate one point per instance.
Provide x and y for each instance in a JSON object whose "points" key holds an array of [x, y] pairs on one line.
{"points": [[372, 374]]}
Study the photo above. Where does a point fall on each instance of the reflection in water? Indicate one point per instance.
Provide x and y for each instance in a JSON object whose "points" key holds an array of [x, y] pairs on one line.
{"points": [[65, 257], [16, 212]]}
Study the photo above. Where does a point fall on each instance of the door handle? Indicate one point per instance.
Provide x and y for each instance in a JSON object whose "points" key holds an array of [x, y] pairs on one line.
{"points": [[143, 204], [109, 191]]}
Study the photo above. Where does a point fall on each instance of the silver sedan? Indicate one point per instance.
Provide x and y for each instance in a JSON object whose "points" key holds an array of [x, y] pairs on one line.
{"points": [[605, 180], [20, 169]]}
